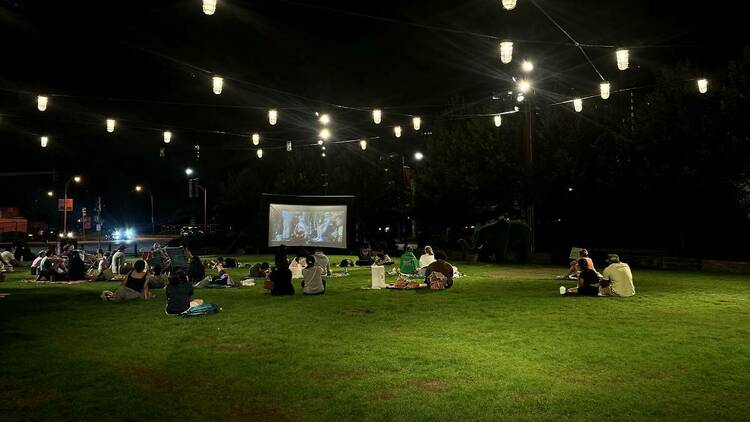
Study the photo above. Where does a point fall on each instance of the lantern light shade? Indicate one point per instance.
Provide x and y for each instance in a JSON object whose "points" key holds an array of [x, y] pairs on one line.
{"points": [[363, 144], [218, 84], [377, 116], [41, 102], [702, 86], [167, 136], [273, 117], [325, 119], [604, 89], [111, 125], [509, 4], [256, 139], [578, 105], [623, 59], [417, 122], [506, 51], [209, 7], [44, 141], [325, 134], [288, 146], [259, 153], [498, 119], [397, 131]]}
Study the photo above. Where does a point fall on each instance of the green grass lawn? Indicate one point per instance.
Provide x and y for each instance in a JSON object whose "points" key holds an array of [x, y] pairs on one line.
{"points": [[501, 345]]}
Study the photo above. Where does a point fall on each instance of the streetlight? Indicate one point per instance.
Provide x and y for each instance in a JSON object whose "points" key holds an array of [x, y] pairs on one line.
{"points": [[76, 179], [189, 171], [418, 156], [50, 193], [139, 189], [527, 66]]}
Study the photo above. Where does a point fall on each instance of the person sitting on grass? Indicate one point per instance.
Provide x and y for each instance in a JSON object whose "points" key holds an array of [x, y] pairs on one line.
{"points": [[427, 258], [157, 279], [118, 260], [76, 267], [179, 294], [196, 271], [365, 255], [322, 261], [576, 267], [408, 263], [7, 260], [135, 285], [588, 282], [313, 283], [258, 270], [617, 279], [281, 277], [439, 274], [36, 262]]}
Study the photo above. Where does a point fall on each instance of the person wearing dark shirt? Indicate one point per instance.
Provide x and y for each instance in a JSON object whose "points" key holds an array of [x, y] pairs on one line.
{"points": [[281, 277], [196, 271], [588, 281], [76, 267], [440, 266], [179, 294]]}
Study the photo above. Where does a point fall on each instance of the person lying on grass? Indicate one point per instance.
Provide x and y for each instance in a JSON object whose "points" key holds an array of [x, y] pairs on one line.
{"points": [[135, 285], [313, 283], [588, 282], [179, 294]]}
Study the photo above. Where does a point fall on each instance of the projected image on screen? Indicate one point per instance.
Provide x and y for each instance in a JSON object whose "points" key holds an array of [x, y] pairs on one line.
{"points": [[307, 225]]}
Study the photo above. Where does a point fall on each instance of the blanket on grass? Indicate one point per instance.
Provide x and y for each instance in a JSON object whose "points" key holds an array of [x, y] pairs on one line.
{"points": [[57, 282]]}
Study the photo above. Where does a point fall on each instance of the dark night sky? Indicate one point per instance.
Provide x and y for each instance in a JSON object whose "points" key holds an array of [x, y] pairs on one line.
{"points": [[91, 51]]}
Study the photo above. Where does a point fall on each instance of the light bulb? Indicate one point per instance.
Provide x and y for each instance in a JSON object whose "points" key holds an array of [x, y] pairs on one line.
{"points": [[325, 119], [288, 146], [498, 120], [377, 116], [604, 88], [44, 140], [111, 125], [578, 104], [418, 156], [702, 86], [256, 139], [41, 102], [524, 86], [417, 122], [167, 136], [363, 144], [527, 66], [209, 7], [506, 51], [325, 134], [218, 84], [259, 153], [273, 117], [397, 131], [509, 4], [623, 59]]}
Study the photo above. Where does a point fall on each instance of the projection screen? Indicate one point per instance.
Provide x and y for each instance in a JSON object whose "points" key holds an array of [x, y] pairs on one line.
{"points": [[307, 225]]}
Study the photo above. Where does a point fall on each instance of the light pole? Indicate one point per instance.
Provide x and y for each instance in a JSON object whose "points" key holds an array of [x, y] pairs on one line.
{"points": [[139, 189], [193, 181], [76, 179]]}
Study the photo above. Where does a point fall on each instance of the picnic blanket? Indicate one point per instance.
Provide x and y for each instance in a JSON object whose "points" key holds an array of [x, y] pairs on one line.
{"points": [[57, 282]]}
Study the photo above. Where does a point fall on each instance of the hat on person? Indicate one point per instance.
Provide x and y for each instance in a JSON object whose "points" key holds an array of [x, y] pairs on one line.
{"points": [[613, 258]]}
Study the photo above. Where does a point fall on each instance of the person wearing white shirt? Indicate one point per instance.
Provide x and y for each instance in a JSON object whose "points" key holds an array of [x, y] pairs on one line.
{"points": [[427, 258]]}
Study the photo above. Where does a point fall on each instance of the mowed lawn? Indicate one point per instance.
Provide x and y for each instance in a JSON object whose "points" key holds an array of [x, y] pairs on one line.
{"points": [[501, 345]]}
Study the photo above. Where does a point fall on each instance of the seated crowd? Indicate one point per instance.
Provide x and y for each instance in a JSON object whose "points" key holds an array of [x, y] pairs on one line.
{"points": [[615, 281]]}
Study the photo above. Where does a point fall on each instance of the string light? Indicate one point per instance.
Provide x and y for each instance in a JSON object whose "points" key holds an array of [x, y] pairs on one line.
{"points": [[527, 66], [209, 7], [623, 59], [702, 86], [397, 131], [578, 104], [41, 102], [111, 125], [498, 120], [44, 140], [256, 139], [506, 51], [377, 116], [259, 153], [417, 122], [167, 136], [218, 84], [288, 146], [325, 119], [509, 4], [273, 117], [604, 88], [325, 134], [363, 144]]}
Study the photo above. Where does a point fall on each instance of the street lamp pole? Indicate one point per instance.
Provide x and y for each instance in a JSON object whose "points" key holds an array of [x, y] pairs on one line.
{"points": [[139, 188], [76, 179]]}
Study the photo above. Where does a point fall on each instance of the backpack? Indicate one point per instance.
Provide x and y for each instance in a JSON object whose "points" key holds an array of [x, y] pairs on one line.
{"points": [[205, 309]]}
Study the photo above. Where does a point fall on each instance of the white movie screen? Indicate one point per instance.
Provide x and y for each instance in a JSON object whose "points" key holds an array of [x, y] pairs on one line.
{"points": [[307, 225]]}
